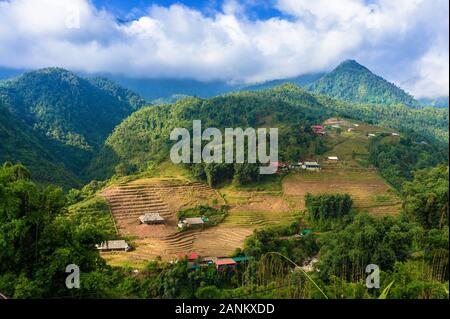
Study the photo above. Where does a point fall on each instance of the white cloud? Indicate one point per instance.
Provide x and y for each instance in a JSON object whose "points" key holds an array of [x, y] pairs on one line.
{"points": [[177, 41], [433, 74]]}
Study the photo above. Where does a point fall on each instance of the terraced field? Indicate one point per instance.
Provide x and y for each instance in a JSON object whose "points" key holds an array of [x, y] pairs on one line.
{"points": [[128, 202], [273, 201], [368, 190], [166, 197]]}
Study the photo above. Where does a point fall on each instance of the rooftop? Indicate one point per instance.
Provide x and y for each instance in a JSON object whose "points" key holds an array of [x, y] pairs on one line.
{"points": [[113, 244], [225, 261], [151, 217], [193, 220], [311, 163]]}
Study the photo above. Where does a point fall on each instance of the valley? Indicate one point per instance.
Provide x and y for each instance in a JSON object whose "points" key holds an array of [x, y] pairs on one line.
{"points": [[362, 178]]}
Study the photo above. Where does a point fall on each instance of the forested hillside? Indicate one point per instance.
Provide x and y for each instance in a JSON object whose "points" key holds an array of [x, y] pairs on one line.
{"points": [[352, 82], [67, 108], [20, 143], [53, 121], [143, 138]]}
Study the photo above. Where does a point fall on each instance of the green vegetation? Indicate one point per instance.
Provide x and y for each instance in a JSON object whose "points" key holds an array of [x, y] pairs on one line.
{"points": [[397, 160], [68, 117], [56, 124], [40, 235], [426, 197], [94, 212], [143, 137], [20, 143], [36, 244], [328, 206], [352, 82]]}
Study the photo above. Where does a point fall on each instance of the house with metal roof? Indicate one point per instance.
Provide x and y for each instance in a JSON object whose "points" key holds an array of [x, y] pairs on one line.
{"points": [[151, 219], [114, 245], [224, 263], [311, 166], [191, 222]]}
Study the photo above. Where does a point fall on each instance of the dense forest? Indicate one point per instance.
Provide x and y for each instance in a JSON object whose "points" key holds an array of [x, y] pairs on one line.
{"points": [[68, 117]]}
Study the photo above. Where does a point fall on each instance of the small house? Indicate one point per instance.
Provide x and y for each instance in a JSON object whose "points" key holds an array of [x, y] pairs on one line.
{"points": [[191, 222], [371, 135], [395, 134], [350, 129], [225, 263], [114, 245], [333, 158], [193, 256], [311, 166], [318, 129], [151, 219]]}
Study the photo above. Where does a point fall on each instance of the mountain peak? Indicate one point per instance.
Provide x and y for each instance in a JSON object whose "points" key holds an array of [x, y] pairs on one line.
{"points": [[353, 82], [351, 65]]}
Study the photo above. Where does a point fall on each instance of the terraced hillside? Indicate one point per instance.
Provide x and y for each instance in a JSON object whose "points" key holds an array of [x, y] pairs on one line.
{"points": [[273, 201], [128, 202], [166, 197]]}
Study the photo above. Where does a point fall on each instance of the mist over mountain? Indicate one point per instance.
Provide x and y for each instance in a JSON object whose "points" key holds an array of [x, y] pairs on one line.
{"points": [[440, 102]]}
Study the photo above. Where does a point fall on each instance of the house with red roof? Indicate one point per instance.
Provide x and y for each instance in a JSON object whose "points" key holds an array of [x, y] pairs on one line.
{"points": [[318, 129], [224, 263]]}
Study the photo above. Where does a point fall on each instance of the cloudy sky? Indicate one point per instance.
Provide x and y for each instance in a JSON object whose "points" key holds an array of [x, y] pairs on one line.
{"points": [[405, 41]]}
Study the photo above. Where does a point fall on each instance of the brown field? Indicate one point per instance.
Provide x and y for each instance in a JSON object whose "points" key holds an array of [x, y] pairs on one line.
{"points": [[368, 190], [166, 197]]}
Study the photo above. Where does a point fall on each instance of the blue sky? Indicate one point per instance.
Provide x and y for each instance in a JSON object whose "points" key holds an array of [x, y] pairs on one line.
{"points": [[258, 9], [405, 41]]}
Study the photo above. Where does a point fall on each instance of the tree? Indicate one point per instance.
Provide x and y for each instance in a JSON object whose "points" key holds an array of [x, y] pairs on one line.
{"points": [[426, 197]]}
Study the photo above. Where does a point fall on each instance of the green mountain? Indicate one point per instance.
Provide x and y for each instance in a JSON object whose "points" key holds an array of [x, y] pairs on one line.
{"points": [[144, 136], [66, 116], [352, 82], [75, 111], [20, 143]]}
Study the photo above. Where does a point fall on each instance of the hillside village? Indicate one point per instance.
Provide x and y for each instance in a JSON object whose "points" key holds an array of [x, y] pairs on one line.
{"points": [[145, 210]]}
